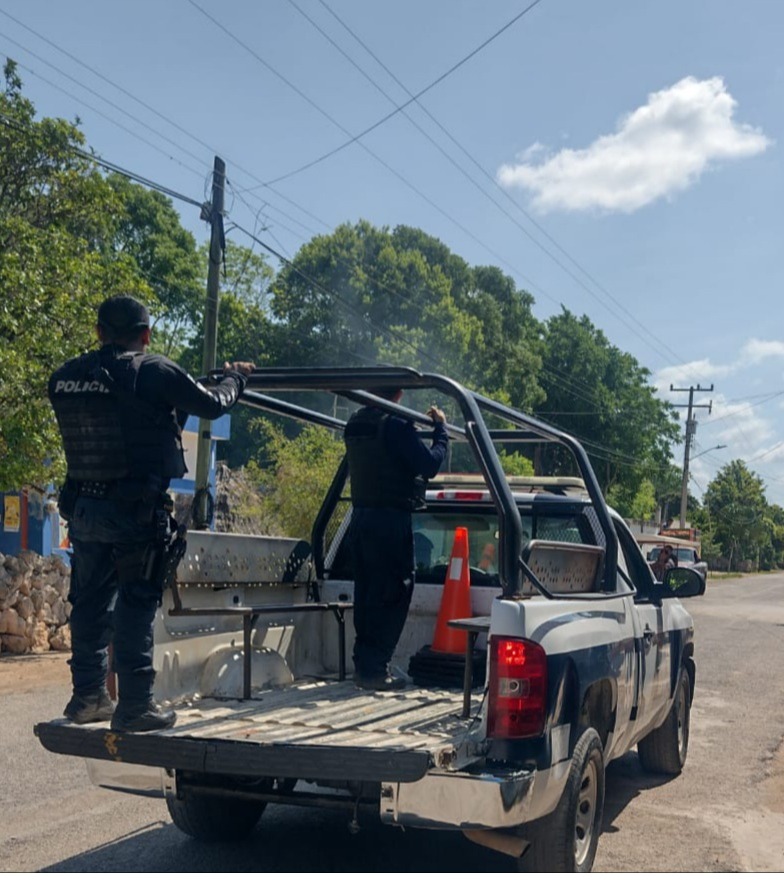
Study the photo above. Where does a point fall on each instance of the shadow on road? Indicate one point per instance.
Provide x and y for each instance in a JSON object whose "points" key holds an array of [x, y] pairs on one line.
{"points": [[626, 780], [290, 839]]}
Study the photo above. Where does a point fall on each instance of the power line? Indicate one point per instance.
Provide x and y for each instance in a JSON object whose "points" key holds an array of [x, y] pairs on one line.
{"points": [[367, 130], [562, 377], [500, 258], [644, 335], [745, 408], [155, 112], [461, 169], [111, 120], [100, 96], [108, 165], [314, 283], [277, 193], [765, 453]]}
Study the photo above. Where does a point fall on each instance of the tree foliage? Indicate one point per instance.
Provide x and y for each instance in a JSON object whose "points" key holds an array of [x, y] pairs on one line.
{"points": [[738, 513], [148, 231], [295, 478], [70, 236], [602, 395], [364, 295], [57, 214]]}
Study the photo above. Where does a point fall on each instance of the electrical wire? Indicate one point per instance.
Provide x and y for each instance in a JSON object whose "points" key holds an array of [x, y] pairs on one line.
{"points": [[176, 195], [95, 93], [644, 337], [108, 118], [201, 142], [380, 121], [644, 333], [108, 165], [314, 283], [158, 114]]}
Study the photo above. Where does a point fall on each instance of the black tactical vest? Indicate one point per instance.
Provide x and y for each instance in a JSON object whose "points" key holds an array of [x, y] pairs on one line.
{"points": [[378, 478], [108, 432]]}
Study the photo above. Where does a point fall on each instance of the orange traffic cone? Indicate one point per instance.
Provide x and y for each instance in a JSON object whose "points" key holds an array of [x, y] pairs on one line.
{"points": [[456, 599]]}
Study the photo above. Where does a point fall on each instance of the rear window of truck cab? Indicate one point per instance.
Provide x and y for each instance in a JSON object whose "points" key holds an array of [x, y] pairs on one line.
{"points": [[434, 533]]}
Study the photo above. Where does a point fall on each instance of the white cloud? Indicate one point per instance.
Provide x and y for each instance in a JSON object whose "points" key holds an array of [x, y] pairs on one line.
{"points": [[682, 375], [756, 351], [658, 149], [534, 149]]}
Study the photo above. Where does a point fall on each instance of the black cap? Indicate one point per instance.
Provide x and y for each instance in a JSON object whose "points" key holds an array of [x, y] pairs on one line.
{"points": [[123, 315]]}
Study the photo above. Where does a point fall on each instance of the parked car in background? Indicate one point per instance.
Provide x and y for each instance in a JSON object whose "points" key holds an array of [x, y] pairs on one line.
{"points": [[686, 556]]}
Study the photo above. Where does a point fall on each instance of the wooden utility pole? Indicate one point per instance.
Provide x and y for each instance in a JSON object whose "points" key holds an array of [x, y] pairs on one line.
{"points": [[691, 429], [212, 212]]}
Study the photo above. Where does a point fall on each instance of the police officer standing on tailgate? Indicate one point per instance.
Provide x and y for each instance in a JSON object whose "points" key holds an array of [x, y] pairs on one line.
{"points": [[387, 464], [120, 412]]}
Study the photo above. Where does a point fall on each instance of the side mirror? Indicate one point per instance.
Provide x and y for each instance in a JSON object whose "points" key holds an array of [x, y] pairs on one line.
{"points": [[681, 582]]}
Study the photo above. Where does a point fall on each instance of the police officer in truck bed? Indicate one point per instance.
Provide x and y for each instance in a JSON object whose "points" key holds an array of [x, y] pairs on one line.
{"points": [[120, 412], [387, 462]]}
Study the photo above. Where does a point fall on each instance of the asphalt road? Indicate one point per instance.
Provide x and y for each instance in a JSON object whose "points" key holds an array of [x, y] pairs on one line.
{"points": [[725, 812]]}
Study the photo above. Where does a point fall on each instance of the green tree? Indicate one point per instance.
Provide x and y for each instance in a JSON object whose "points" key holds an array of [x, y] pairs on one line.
{"points": [[636, 505], [246, 275], [364, 294], [602, 396], [295, 476], [57, 216], [515, 464], [772, 553], [739, 513], [149, 231], [245, 332]]}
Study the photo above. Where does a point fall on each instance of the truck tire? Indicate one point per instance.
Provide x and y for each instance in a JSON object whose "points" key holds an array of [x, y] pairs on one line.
{"points": [[664, 750], [214, 819], [565, 841]]}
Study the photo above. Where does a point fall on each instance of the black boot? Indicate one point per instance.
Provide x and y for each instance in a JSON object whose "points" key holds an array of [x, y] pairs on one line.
{"points": [[87, 708], [379, 682], [141, 718]]}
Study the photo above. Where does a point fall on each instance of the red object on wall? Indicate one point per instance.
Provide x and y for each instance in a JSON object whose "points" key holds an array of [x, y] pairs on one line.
{"points": [[23, 519]]}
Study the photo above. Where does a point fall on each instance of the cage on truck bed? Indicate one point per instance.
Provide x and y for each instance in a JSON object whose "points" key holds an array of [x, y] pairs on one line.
{"points": [[581, 654]]}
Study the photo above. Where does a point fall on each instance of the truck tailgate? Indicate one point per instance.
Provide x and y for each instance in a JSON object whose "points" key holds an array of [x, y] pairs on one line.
{"points": [[309, 730]]}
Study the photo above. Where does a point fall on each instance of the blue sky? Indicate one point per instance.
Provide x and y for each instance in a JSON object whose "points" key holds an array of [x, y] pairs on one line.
{"points": [[643, 139]]}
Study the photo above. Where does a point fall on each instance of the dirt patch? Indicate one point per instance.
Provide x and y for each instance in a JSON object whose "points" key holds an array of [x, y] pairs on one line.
{"points": [[25, 673], [758, 834], [773, 786]]}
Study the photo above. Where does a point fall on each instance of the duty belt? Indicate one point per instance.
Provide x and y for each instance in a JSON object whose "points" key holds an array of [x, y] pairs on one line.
{"points": [[98, 490], [120, 489]]}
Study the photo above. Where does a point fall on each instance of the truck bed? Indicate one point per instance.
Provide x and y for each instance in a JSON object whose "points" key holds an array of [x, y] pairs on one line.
{"points": [[312, 729]]}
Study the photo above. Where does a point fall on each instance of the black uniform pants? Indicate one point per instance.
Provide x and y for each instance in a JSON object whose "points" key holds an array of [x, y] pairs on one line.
{"points": [[109, 599], [382, 546]]}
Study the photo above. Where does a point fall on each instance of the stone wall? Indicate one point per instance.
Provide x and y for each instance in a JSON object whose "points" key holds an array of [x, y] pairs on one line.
{"points": [[34, 608]]}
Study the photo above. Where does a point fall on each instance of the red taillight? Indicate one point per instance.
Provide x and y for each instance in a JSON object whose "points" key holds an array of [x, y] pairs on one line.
{"points": [[517, 702], [462, 495]]}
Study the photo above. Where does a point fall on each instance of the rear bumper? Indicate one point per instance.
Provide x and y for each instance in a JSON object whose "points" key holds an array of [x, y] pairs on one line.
{"points": [[413, 794], [496, 799]]}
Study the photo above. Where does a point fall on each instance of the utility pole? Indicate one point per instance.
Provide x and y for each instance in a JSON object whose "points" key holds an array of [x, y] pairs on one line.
{"points": [[691, 429], [212, 212]]}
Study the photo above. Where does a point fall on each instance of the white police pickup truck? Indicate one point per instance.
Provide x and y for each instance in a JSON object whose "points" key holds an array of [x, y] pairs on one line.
{"points": [[574, 656]]}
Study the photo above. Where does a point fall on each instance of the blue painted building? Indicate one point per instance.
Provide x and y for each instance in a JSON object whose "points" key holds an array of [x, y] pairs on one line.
{"points": [[29, 518]]}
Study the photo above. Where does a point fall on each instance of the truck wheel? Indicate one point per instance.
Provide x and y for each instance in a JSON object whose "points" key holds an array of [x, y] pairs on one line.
{"points": [[664, 750], [214, 819], [565, 841]]}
